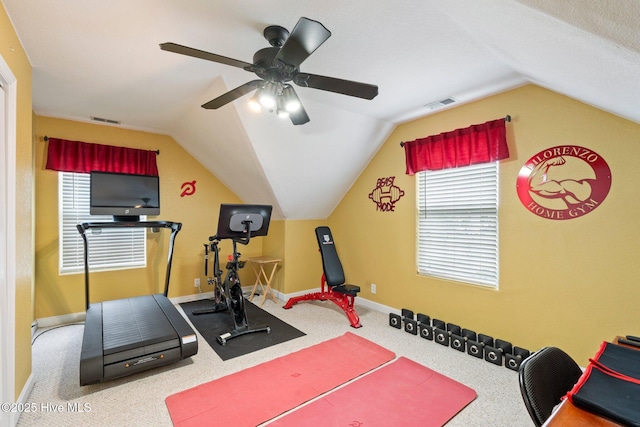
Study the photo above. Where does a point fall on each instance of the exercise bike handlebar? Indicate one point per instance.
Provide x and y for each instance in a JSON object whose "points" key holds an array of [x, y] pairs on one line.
{"points": [[234, 259], [242, 240]]}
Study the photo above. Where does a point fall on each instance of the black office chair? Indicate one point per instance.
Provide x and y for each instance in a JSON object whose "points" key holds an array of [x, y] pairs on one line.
{"points": [[545, 377]]}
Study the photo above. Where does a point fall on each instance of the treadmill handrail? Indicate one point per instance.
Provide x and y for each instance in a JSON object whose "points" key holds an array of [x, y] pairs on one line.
{"points": [[174, 226]]}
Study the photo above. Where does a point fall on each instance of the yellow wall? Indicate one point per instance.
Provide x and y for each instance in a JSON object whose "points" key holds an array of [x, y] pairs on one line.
{"points": [[569, 283], [304, 265], [58, 295], [295, 244], [14, 55], [273, 246]]}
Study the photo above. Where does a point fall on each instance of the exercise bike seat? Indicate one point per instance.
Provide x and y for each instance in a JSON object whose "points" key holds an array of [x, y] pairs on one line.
{"points": [[331, 265]]}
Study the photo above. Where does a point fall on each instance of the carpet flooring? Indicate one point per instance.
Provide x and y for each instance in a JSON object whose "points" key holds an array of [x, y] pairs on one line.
{"points": [[139, 400]]}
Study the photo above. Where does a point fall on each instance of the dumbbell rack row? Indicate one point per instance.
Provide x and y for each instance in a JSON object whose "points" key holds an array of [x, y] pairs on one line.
{"points": [[464, 340]]}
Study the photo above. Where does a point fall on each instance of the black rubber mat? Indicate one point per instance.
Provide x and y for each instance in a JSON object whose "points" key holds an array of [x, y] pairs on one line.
{"points": [[212, 325]]}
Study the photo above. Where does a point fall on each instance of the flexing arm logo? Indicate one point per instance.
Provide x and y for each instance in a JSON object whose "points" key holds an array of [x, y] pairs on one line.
{"points": [[564, 182]]}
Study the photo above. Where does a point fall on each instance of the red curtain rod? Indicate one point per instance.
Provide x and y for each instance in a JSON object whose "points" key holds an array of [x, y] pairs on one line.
{"points": [[506, 119], [46, 138]]}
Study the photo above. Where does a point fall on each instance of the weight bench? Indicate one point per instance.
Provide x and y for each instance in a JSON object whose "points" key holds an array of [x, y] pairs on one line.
{"points": [[332, 286]]}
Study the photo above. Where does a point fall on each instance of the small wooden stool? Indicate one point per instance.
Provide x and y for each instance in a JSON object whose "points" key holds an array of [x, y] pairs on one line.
{"points": [[258, 265]]}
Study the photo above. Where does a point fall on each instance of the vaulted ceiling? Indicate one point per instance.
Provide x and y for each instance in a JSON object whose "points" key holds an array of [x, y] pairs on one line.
{"points": [[102, 59]]}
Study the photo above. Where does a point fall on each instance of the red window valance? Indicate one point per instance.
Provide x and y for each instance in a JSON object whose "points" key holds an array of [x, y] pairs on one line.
{"points": [[84, 157], [481, 143]]}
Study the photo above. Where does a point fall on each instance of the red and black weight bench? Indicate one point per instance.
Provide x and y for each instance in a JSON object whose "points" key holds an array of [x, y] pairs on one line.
{"points": [[332, 286]]}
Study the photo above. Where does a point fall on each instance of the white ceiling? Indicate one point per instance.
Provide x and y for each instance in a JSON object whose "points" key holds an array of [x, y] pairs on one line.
{"points": [[97, 58]]}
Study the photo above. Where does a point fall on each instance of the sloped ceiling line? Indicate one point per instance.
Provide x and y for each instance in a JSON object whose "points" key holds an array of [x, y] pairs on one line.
{"points": [[415, 52]]}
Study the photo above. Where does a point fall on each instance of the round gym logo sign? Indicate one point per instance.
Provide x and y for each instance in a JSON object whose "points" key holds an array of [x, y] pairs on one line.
{"points": [[564, 182]]}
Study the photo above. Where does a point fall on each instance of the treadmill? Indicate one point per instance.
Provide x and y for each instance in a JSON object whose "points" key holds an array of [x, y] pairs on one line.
{"points": [[131, 335]]}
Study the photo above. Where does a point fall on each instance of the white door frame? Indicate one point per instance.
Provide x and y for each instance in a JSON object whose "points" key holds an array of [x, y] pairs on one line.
{"points": [[7, 240]]}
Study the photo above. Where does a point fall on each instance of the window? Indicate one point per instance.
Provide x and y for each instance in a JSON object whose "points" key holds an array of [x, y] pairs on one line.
{"points": [[458, 224], [109, 249]]}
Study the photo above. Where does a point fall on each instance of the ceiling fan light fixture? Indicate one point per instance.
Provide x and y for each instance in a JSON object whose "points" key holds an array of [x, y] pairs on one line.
{"points": [[277, 65], [281, 111], [254, 102], [291, 100], [267, 95]]}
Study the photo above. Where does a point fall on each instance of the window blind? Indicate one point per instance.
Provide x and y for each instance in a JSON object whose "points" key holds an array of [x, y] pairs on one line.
{"points": [[109, 249], [458, 223]]}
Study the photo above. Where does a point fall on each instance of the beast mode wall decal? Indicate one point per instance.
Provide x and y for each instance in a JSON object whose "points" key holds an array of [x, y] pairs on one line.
{"points": [[386, 194], [564, 182]]}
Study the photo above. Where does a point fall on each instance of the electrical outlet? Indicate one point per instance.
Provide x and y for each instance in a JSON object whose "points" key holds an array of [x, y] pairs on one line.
{"points": [[196, 282], [373, 288]]}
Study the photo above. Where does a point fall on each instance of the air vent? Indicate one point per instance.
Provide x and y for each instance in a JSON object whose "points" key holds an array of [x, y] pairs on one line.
{"points": [[100, 119], [440, 104]]}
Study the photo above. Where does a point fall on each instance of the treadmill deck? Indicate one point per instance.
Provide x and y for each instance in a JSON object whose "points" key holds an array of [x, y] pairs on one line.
{"points": [[130, 335]]}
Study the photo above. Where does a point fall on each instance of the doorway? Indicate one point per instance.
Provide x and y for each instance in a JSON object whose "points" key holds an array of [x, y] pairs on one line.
{"points": [[7, 238]]}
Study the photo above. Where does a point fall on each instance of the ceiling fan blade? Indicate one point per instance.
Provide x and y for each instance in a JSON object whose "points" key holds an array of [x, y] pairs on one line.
{"points": [[299, 117], [332, 84], [305, 38], [189, 51], [232, 95]]}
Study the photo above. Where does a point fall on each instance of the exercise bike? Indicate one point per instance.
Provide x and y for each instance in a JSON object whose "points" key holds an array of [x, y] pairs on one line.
{"points": [[219, 294], [236, 222]]}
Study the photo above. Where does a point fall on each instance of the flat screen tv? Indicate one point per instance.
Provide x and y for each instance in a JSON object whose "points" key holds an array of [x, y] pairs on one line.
{"points": [[125, 196], [234, 219]]}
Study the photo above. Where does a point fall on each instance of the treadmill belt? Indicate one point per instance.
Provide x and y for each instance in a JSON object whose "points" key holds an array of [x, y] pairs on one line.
{"points": [[133, 323]]}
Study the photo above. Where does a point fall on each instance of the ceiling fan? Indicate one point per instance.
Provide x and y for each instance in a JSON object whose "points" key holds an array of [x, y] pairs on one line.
{"points": [[279, 65]]}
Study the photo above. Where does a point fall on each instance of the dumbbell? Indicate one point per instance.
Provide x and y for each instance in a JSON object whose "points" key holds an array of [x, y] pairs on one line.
{"points": [[468, 334], [440, 334], [440, 324], [395, 320], [410, 325], [454, 329], [424, 326], [460, 339], [514, 360], [475, 347], [495, 353], [457, 341]]}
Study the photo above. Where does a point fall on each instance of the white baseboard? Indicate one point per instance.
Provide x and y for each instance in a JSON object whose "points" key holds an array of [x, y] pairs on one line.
{"points": [[359, 301], [46, 322], [376, 306], [34, 328], [246, 290], [22, 399], [189, 298], [63, 319]]}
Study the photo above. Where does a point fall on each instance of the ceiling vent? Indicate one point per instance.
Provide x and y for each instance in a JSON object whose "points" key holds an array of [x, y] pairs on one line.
{"points": [[440, 104], [100, 119]]}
